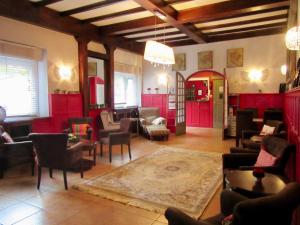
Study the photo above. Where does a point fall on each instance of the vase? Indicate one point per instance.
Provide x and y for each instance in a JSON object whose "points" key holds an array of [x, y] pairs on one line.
{"points": [[2, 113]]}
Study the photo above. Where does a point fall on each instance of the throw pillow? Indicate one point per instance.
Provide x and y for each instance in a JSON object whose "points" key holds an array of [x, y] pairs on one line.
{"points": [[158, 121], [227, 220], [267, 130], [80, 129], [7, 138], [265, 159]]}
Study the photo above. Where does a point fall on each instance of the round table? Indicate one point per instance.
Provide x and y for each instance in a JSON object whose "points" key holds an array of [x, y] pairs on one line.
{"points": [[245, 183]]}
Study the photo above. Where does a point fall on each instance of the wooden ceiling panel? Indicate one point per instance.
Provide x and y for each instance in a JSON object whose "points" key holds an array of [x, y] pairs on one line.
{"points": [[65, 5], [161, 37], [193, 4], [160, 31]]}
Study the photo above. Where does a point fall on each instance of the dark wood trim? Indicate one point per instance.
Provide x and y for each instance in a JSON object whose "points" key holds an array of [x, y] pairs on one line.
{"points": [[45, 2], [182, 43], [97, 55], [264, 19], [85, 8], [113, 15], [273, 25], [233, 36], [25, 11], [83, 73], [228, 9], [109, 76], [156, 35], [143, 31], [177, 39], [170, 2], [171, 18]]}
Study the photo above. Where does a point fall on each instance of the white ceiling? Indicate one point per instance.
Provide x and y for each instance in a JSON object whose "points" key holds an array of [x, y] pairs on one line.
{"points": [[195, 3]]}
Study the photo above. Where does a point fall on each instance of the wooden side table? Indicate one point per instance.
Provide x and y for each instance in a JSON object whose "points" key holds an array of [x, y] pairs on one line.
{"points": [[245, 183]]}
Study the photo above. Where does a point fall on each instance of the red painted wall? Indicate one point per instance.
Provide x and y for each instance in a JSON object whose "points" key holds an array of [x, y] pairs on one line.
{"points": [[199, 114], [198, 85]]}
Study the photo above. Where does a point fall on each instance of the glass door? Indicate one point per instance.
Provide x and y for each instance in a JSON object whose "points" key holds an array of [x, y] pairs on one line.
{"points": [[180, 105]]}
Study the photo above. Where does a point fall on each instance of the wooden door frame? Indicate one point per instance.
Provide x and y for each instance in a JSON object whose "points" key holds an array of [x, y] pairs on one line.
{"points": [[184, 102]]}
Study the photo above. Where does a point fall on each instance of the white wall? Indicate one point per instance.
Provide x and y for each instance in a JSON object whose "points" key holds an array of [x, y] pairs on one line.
{"points": [[262, 53]]}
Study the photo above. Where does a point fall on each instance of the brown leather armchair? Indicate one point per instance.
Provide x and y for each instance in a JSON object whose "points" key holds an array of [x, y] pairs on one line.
{"points": [[52, 152], [276, 210], [16, 153], [117, 137]]}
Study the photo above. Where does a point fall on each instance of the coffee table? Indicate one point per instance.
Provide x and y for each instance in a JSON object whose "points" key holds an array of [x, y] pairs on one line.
{"points": [[246, 184], [86, 145]]}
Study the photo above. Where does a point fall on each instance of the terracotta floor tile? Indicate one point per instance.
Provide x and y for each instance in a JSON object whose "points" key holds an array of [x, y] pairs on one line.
{"points": [[39, 218], [162, 219], [158, 223]]}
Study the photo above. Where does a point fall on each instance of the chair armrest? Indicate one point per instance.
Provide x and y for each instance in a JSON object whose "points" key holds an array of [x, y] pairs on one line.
{"points": [[119, 135], [73, 154], [234, 161], [247, 134], [21, 138], [17, 144], [228, 201], [243, 150], [268, 169], [176, 217], [105, 133]]}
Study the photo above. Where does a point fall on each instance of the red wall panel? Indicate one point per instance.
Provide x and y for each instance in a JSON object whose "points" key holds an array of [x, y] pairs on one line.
{"points": [[199, 114]]}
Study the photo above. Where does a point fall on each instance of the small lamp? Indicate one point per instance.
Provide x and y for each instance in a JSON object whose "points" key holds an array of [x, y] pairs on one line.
{"points": [[283, 69], [65, 73]]}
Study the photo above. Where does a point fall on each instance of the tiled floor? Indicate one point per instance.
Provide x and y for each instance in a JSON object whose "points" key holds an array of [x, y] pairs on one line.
{"points": [[22, 204]]}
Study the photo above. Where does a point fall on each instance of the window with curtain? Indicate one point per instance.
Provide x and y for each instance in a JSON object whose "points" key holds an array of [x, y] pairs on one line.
{"points": [[19, 85], [125, 89]]}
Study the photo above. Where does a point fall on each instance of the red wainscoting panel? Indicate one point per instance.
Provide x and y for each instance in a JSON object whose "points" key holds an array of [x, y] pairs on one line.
{"points": [[160, 101], [199, 114], [261, 101]]}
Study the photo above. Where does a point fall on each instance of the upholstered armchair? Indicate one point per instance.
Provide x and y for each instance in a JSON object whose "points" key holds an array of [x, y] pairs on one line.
{"points": [[276, 210], [14, 153], [52, 152]]}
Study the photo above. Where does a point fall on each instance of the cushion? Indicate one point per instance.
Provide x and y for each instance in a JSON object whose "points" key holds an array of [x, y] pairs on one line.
{"points": [[265, 158], [149, 119], [267, 130], [256, 138], [7, 138], [158, 121], [80, 129]]}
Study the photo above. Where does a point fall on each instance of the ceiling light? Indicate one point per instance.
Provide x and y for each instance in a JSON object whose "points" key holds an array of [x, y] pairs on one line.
{"points": [[159, 53], [292, 38]]}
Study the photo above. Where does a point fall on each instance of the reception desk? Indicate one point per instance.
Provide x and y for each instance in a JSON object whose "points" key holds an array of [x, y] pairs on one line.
{"points": [[199, 113]]}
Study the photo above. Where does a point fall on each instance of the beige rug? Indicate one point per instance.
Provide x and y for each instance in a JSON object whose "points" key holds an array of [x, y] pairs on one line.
{"points": [[169, 177]]}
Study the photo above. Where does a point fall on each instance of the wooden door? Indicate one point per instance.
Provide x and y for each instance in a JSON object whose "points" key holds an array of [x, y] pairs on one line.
{"points": [[218, 103], [180, 105]]}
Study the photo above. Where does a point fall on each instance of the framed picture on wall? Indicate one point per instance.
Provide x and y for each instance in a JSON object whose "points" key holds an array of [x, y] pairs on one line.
{"points": [[235, 57], [92, 68], [205, 60], [180, 62]]}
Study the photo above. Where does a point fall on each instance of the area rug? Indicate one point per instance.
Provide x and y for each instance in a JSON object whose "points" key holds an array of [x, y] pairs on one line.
{"points": [[174, 177]]}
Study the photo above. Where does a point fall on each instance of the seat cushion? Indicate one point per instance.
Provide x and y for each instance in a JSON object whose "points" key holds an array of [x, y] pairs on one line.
{"points": [[80, 129], [157, 130]]}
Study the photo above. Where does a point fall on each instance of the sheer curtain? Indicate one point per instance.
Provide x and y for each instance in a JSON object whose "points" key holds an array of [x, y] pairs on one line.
{"points": [[126, 90]]}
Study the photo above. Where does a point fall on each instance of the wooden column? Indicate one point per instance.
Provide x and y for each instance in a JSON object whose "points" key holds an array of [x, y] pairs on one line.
{"points": [[83, 73], [109, 76]]}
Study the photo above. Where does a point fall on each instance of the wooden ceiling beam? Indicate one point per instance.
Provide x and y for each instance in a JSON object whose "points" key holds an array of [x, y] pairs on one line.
{"points": [[228, 9], [45, 2], [233, 36], [143, 31], [171, 18], [273, 25], [170, 2], [113, 15], [155, 35], [182, 43], [244, 22], [177, 39], [85, 8], [24, 11]]}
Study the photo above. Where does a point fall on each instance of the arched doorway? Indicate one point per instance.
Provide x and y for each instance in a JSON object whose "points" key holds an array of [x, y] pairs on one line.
{"points": [[206, 99]]}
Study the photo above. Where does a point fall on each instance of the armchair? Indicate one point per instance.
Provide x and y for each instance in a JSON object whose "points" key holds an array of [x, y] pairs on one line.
{"points": [[52, 152], [118, 137], [276, 210], [15, 153], [81, 127], [244, 121]]}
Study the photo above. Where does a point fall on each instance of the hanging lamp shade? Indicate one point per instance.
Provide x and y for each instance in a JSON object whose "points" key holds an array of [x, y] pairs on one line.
{"points": [[292, 38], [159, 53]]}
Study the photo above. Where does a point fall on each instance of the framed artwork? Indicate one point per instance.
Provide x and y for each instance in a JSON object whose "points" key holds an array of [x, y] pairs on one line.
{"points": [[92, 68], [235, 57], [205, 60], [180, 64]]}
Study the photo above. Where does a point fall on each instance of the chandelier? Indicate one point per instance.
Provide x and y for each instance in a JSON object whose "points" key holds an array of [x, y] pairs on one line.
{"points": [[292, 38], [159, 53]]}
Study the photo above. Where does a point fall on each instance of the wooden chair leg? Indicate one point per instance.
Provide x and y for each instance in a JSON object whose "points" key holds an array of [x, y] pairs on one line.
{"points": [[94, 153], [101, 149], [39, 177], [110, 153], [65, 179], [81, 168], [129, 151], [121, 149], [50, 173]]}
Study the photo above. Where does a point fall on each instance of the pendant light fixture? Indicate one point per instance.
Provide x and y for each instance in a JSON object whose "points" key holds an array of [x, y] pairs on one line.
{"points": [[159, 53], [292, 38]]}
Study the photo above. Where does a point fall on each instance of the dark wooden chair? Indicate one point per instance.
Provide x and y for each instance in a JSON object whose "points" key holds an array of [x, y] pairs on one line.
{"points": [[52, 152], [244, 121], [276, 209], [273, 114], [117, 137], [14, 154]]}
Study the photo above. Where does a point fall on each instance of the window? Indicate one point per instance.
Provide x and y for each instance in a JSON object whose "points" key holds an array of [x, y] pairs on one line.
{"points": [[19, 86], [125, 89]]}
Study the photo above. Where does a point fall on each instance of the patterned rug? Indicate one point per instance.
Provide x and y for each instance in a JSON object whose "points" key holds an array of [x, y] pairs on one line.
{"points": [[175, 177]]}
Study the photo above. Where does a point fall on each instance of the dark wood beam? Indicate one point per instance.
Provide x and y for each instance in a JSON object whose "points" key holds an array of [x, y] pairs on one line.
{"points": [[264, 19], [143, 31], [176, 1], [249, 34], [228, 9], [97, 55], [182, 43], [177, 39], [45, 2], [113, 15], [171, 16], [157, 35], [85, 8], [273, 25], [25, 11], [109, 77]]}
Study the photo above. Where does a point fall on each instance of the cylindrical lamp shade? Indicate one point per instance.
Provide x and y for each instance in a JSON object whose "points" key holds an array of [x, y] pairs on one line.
{"points": [[292, 38], [159, 53]]}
